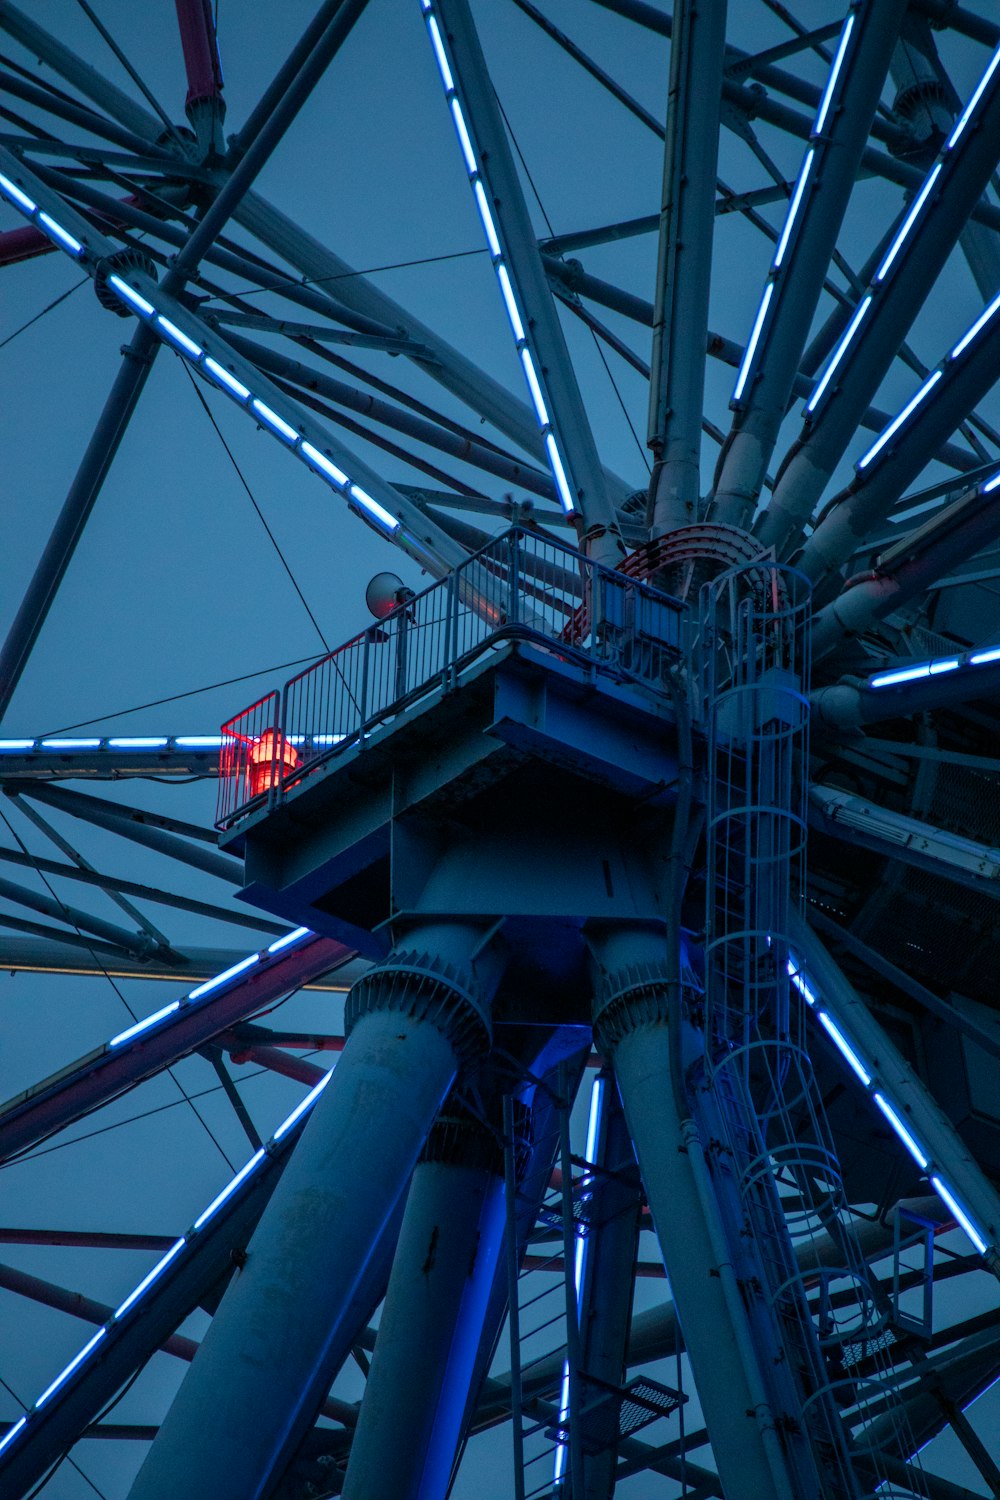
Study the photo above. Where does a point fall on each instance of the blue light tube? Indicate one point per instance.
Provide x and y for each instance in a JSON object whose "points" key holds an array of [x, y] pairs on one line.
{"points": [[487, 218], [559, 475], [162, 1264], [991, 485], [949, 664], [905, 674], [228, 381], [977, 326], [328, 739], [325, 465], [831, 83], [73, 1365], [147, 742], [147, 1281], [579, 1262], [230, 1188], [981, 657], [199, 741], [751, 348], [901, 1130], [12, 1434], [70, 744], [463, 136], [17, 745], [908, 223], [289, 938], [60, 235], [898, 421], [384, 517], [271, 419], [176, 336], [795, 976], [300, 1109], [963, 1218], [140, 1026], [796, 204], [966, 114], [507, 293], [839, 353], [844, 1047], [439, 53], [230, 973], [16, 196], [556, 462], [541, 411], [127, 294]]}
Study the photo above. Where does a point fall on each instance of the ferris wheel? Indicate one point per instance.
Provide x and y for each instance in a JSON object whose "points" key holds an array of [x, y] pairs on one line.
{"points": [[686, 412]]}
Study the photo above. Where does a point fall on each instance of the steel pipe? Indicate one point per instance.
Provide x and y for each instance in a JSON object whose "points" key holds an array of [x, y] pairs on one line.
{"points": [[288, 1319], [447, 1255]]}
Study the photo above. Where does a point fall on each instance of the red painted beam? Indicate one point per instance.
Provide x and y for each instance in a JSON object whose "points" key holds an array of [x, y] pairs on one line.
{"points": [[201, 51], [23, 244]]}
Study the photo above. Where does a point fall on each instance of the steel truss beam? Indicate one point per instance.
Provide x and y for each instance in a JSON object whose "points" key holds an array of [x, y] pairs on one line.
{"points": [[215, 1243], [118, 1066], [902, 281], [797, 273], [569, 443], [684, 267], [152, 831], [113, 885], [376, 501], [57, 555], [911, 566], [573, 277], [905, 447], [946, 1153], [850, 704], [482, 455], [49, 952], [138, 944], [863, 823]]}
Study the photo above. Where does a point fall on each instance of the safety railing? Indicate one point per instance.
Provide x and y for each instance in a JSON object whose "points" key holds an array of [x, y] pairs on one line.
{"points": [[519, 585]]}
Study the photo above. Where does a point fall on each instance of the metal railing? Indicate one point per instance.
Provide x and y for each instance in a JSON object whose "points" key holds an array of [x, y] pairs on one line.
{"points": [[520, 585]]}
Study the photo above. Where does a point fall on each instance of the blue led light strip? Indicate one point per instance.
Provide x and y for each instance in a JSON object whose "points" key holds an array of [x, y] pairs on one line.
{"points": [[579, 1266], [224, 380], [529, 363], [177, 1249], [211, 369], [209, 987], [43, 221], [937, 666], [982, 323], [137, 743], [902, 235], [805, 177], [867, 1075]]}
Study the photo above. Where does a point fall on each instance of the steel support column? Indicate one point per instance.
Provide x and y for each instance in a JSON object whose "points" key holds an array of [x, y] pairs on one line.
{"points": [[79, 502], [632, 1029], [282, 1328], [684, 270], [432, 1322]]}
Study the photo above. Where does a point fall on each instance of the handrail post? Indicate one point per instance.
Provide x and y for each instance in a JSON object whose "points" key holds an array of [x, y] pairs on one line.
{"points": [[365, 653], [513, 571]]}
